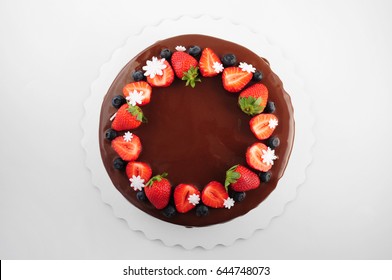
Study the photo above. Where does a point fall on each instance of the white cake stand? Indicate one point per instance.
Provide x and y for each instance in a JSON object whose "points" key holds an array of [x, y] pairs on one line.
{"points": [[242, 227]]}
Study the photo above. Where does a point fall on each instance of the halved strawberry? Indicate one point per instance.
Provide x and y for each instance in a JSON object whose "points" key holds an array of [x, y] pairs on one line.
{"points": [[209, 63], [128, 117], [140, 87], [253, 99], [260, 157], [186, 197], [138, 168], [235, 79], [241, 179], [127, 150], [214, 195], [164, 80], [158, 190], [263, 125]]}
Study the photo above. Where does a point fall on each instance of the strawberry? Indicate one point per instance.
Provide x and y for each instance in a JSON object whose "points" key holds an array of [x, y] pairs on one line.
{"points": [[138, 168], [186, 197], [127, 150], [185, 67], [252, 100], [263, 125], [241, 179], [141, 97], [128, 117], [235, 79], [209, 63], [158, 190], [214, 195], [260, 157], [164, 80]]}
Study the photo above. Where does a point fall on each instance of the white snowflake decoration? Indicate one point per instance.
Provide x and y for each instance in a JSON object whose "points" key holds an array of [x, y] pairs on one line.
{"points": [[218, 67], [154, 67], [135, 97], [137, 183], [268, 156], [228, 203], [247, 67], [127, 136], [273, 123], [194, 199], [180, 49]]}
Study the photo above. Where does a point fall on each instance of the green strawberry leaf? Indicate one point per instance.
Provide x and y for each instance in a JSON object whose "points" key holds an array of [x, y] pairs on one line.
{"points": [[191, 76], [138, 113], [250, 105], [156, 178], [231, 176]]}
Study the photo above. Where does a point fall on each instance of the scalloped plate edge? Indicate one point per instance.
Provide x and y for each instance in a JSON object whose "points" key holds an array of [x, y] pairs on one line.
{"points": [[245, 226]]}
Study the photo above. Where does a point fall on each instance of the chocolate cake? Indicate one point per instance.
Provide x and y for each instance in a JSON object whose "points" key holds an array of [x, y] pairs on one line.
{"points": [[196, 130]]}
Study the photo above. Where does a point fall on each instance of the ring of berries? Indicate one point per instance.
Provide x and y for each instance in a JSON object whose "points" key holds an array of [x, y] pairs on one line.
{"points": [[191, 66]]}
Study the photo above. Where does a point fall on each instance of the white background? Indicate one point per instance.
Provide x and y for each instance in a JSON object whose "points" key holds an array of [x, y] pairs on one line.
{"points": [[51, 52]]}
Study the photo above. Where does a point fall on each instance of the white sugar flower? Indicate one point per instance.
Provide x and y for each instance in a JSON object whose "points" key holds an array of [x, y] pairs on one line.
{"points": [[247, 67], [268, 156], [154, 67], [194, 199], [180, 49], [137, 183], [228, 203], [135, 97], [273, 123], [218, 67], [127, 136]]}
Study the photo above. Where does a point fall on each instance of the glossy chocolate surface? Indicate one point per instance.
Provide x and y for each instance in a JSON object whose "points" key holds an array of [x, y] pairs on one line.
{"points": [[196, 134]]}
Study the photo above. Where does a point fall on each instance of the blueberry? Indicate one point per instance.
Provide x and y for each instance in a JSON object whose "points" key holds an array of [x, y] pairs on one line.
{"points": [[110, 134], [138, 75], [229, 60], [201, 210], [169, 211], [257, 76], [194, 51], [273, 142], [239, 196], [166, 54], [141, 196], [270, 107], [119, 164], [117, 101], [265, 176]]}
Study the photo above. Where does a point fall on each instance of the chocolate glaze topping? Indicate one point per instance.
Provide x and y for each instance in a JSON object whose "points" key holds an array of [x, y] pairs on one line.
{"points": [[196, 134]]}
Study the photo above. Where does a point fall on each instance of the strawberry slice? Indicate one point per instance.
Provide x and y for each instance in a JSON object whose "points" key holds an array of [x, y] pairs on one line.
{"points": [[252, 100], [260, 157], [214, 195], [186, 197], [141, 97], [263, 125], [128, 150], [235, 79], [128, 117], [209, 64], [138, 168], [158, 191], [164, 80]]}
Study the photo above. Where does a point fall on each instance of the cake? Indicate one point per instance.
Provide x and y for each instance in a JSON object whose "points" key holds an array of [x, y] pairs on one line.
{"points": [[196, 130]]}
